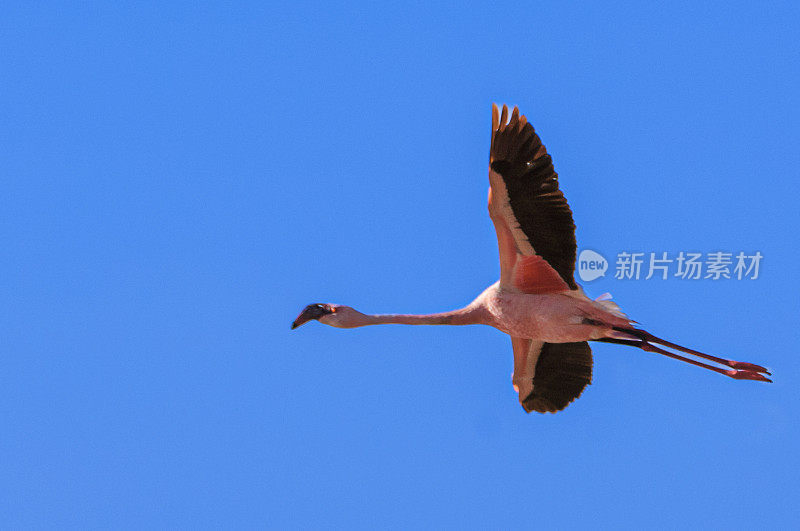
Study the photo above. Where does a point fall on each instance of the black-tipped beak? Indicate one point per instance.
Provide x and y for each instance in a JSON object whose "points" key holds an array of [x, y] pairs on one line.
{"points": [[300, 321], [312, 311]]}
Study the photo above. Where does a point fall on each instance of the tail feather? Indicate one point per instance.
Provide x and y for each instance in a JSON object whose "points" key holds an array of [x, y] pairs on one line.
{"points": [[605, 302]]}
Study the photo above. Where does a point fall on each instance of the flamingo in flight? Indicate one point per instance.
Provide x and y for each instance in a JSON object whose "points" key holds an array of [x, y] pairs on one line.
{"points": [[536, 301]]}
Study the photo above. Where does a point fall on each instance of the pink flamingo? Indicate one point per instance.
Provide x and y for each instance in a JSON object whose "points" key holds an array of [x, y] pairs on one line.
{"points": [[536, 301]]}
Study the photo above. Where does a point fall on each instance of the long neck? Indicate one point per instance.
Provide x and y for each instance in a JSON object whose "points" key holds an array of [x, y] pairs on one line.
{"points": [[464, 316]]}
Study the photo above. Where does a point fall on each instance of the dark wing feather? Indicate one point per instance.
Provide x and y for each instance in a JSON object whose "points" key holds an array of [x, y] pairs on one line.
{"points": [[540, 209], [563, 371]]}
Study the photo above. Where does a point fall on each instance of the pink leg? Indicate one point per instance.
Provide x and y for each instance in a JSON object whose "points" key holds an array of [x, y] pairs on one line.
{"points": [[648, 337], [738, 374]]}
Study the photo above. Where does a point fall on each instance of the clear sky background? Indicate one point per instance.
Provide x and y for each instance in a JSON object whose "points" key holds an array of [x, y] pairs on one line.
{"points": [[180, 180]]}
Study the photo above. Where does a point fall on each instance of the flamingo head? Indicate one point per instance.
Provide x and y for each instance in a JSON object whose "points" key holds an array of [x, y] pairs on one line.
{"points": [[330, 314]]}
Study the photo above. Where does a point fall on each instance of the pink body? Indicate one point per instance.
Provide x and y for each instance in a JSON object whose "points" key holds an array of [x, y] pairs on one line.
{"points": [[551, 317]]}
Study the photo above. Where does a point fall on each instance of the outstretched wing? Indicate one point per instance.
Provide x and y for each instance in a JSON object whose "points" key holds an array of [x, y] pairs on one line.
{"points": [[530, 214], [549, 376]]}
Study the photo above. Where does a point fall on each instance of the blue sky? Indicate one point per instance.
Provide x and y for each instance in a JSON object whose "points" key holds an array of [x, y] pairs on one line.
{"points": [[180, 180]]}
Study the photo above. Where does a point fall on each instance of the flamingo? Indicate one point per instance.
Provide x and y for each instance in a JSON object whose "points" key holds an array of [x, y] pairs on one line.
{"points": [[537, 301]]}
